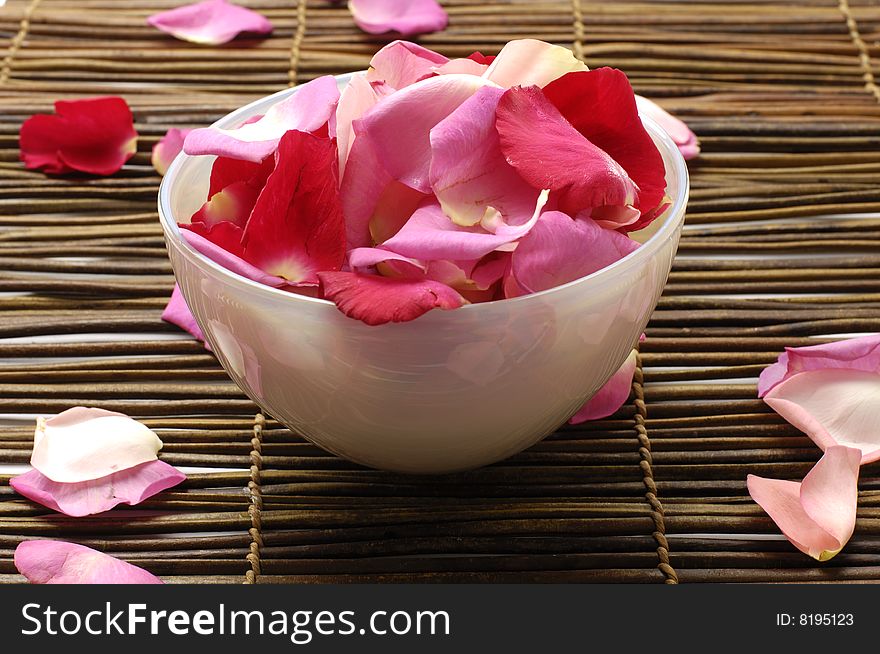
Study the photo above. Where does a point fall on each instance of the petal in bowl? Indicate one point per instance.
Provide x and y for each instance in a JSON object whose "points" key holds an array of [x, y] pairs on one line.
{"points": [[57, 562]]}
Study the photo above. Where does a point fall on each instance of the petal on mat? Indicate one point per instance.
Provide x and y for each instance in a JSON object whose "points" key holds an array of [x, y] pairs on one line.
{"points": [[307, 110], [861, 353], [82, 444], [296, 228], [93, 135], [57, 562], [678, 131], [377, 300], [168, 147], [402, 63], [548, 152], [833, 407], [177, 313], [559, 249], [406, 18], [131, 486], [468, 171], [601, 105], [817, 515], [611, 396], [210, 22], [203, 242], [529, 62]]}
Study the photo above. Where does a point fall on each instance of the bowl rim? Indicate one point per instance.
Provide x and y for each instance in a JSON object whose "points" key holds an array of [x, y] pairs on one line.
{"points": [[674, 217]]}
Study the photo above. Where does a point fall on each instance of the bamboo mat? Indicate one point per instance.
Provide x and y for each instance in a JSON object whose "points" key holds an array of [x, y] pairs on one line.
{"points": [[781, 248]]}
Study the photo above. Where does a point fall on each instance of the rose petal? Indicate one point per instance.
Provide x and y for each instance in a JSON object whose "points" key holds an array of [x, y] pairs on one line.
{"points": [[94, 135], [613, 395], [402, 63], [210, 22], [57, 562], [833, 407], [361, 258], [201, 241], [549, 153], [468, 171], [407, 18], [232, 205], [678, 131], [430, 234], [377, 300], [82, 444], [559, 249], [296, 228], [362, 187], [466, 66], [358, 97], [861, 353], [818, 515], [398, 128], [600, 104], [130, 486], [527, 62], [177, 313], [168, 147], [307, 110]]}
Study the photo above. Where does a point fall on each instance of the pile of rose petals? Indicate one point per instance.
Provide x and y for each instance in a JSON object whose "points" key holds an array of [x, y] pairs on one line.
{"points": [[831, 392], [434, 183]]}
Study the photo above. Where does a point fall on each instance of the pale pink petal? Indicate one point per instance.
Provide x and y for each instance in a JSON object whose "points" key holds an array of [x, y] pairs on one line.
{"points": [[394, 207], [402, 63], [818, 515], [57, 562], [211, 22], [407, 17], [361, 189], [377, 300], [358, 97], [464, 66], [833, 407], [361, 258], [559, 249], [130, 486], [307, 110], [82, 444], [177, 313], [168, 147], [228, 260], [430, 234], [468, 171], [529, 62], [611, 396], [678, 131], [861, 353], [399, 127]]}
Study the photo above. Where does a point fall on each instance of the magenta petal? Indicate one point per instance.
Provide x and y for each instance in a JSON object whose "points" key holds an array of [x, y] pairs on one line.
{"points": [[611, 396], [229, 261], [402, 63], [559, 249], [57, 562], [361, 189], [211, 22], [377, 300], [168, 147], [130, 486], [407, 18], [678, 131], [307, 110], [177, 313], [468, 170]]}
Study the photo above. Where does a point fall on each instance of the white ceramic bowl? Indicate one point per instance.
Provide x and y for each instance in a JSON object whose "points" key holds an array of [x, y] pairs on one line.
{"points": [[448, 391]]}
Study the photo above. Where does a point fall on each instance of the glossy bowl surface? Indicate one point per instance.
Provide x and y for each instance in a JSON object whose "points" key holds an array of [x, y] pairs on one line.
{"points": [[448, 391]]}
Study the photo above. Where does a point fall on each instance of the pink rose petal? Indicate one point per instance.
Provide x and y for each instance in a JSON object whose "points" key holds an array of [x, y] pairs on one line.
{"points": [[130, 486], [168, 147], [377, 300], [362, 258], [402, 63], [861, 353], [82, 444], [210, 22], [307, 110], [357, 99], [549, 153], [177, 313], [465, 66], [362, 187], [613, 395], [226, 259], [833, 407], [817, 515], [407, 18], [678, 131], [57, 562], [529, 62], [468, 171], [559, 249]]}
